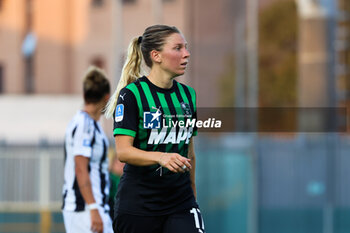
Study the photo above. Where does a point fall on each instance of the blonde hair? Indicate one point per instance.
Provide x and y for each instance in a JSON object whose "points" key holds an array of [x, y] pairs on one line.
{"points": [[130, 72], [138, 53]]}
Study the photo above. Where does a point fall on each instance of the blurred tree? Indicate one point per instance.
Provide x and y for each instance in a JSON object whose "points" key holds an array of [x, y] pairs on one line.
{"points": [[278, 54], [277, 59]]}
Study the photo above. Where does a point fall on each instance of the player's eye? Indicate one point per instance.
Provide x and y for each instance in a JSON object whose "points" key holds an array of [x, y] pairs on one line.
{"points": [[178, 47]]}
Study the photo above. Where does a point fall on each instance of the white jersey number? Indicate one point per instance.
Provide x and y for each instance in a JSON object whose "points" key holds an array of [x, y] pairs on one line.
{"points": [[197, 214]]}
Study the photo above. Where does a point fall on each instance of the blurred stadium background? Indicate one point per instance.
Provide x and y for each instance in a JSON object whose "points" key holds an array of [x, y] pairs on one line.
{"points": [[244, 53]]}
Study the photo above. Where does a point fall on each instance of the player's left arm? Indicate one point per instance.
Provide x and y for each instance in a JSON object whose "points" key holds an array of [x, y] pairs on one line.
{"points": [[84, 182], [192, 157]]}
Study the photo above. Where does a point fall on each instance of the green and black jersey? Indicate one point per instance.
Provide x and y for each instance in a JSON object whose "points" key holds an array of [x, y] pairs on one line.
{"points": [[159, 120]]}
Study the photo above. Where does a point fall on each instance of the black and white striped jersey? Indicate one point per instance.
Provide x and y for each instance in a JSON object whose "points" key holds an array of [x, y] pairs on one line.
{"points": [[84, 136]]}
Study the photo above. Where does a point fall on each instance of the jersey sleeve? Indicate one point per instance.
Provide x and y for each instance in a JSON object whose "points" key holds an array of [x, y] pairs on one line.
{"points": [[125, 115], [84, 137]]}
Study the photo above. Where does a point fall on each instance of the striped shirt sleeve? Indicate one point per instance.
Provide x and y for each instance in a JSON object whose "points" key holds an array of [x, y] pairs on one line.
{"points": [[84, 136]]}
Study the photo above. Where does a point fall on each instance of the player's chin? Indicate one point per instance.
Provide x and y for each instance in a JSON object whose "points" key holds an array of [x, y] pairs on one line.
{"points": [[180, 72]]}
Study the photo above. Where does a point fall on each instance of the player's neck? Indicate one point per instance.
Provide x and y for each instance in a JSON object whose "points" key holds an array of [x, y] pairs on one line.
{"points": [[93, 110], [160, 78]]}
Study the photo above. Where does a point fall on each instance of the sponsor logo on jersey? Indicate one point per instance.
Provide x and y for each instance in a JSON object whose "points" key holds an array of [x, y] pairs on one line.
{"points": [[173, 137], [151, 120], [119, 113], [122, 96]]}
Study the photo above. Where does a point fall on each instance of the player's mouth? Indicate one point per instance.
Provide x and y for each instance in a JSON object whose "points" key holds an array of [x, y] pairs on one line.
{"points": [[184, 64]]}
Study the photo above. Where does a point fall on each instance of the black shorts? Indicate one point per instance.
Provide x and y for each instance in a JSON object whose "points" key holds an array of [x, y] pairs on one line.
{"points": [[188, 221]]}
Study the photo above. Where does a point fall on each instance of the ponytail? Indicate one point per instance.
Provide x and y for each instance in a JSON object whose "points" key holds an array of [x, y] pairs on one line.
{"points": [[131, 72], [139, 51]]}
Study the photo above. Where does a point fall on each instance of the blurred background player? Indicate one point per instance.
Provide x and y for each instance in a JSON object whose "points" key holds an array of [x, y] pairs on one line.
{"points": [[115, 172], [157, 192], [86, 179]]}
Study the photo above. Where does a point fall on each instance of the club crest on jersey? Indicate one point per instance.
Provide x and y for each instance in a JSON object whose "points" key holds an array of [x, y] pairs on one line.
{"points": [[186, 110], [151, 120], [119, 113]]}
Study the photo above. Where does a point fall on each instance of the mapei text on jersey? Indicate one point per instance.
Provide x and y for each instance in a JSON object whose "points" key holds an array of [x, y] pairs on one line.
{"points": [[185, 130]]}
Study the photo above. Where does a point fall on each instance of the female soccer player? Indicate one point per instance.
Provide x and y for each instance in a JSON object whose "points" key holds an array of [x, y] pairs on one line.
{"points": [[86, 185], [153, 135]]}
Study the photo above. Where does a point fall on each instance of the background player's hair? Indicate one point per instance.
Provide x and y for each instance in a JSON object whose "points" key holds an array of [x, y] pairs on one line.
{"points": [[95, 85], [139, 49]]}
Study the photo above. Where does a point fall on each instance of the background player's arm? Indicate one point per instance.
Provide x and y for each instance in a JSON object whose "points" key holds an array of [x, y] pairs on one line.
{"points": [[83, 178], [127, 153], [192, 157]]}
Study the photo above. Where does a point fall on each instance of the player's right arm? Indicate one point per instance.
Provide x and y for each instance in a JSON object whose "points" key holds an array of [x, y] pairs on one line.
{"points": [[127, 153], [126, 124]]}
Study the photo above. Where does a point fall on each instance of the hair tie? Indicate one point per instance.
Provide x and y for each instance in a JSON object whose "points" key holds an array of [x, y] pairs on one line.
{"points": [[139, 40]]}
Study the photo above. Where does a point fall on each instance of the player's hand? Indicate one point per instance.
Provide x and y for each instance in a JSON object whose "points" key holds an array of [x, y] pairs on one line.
{"points": [[175, 162], [96, 221]]}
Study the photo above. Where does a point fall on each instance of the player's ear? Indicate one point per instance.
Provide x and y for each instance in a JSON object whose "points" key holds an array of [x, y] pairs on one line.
{"points": [[156, 56], [106, 97]]}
